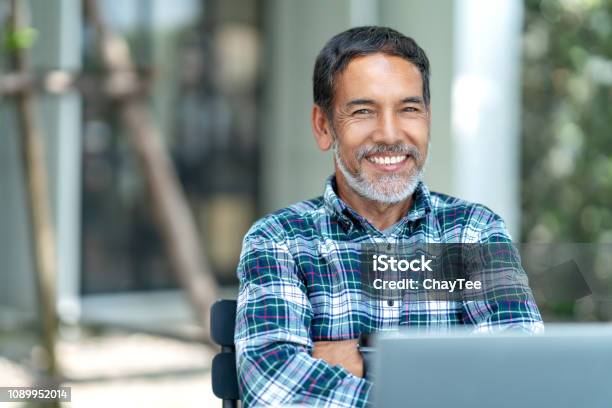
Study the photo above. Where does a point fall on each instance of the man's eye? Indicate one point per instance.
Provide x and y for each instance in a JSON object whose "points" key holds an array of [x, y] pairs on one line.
{"points": [[410, 109], [362, 112]]}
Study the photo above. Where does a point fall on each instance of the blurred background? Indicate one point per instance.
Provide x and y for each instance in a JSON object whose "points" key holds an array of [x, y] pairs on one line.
{"points": [[522, 110]]}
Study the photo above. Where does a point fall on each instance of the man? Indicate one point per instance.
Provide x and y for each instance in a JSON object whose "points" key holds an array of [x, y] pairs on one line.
{"points": [[299, 308]]}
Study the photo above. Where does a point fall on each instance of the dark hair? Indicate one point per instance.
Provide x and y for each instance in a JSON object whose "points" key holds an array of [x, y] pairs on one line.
{"points": [[359, 41]]}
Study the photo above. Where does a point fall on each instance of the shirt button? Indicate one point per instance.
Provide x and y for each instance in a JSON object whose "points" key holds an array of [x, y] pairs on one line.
{"points": [[390, 302]]}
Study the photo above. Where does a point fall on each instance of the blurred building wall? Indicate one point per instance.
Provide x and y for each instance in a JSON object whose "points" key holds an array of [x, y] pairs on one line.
{"points": [[16, 266], [293, 168]]}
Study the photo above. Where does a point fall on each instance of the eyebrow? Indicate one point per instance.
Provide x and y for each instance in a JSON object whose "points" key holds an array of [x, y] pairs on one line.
{"points": [[413, 99], [410, 99], [360, 102]]}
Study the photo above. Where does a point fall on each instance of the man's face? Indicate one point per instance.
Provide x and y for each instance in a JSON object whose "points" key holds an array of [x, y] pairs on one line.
{"points": [[381, 127]]}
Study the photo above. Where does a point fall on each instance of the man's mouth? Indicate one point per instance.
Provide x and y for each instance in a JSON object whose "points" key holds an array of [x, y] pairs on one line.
{"points": [[387, 160]]}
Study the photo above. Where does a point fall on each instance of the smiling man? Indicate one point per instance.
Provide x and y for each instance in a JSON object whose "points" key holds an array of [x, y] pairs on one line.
{"points": [[300, 307]]}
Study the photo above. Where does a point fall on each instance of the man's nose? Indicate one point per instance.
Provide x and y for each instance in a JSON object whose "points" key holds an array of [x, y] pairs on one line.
{"points": [[388, 129]]}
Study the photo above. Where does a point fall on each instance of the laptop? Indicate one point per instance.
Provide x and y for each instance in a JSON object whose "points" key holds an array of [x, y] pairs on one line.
{"points": [[567, 367]]}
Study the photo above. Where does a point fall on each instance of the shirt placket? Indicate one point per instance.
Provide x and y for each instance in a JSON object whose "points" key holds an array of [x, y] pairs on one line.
{"points": [[388, 309]]}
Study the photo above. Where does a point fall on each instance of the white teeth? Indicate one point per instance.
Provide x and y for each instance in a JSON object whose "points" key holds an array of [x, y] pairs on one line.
{"points": [[387, 160]]}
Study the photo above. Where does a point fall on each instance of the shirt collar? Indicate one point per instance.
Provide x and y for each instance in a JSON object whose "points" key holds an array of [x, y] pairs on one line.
{"points": [[420, 206]]}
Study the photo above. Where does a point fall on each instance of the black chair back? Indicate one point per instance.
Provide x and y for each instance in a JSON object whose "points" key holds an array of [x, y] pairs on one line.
{"points": [[224, 375]]}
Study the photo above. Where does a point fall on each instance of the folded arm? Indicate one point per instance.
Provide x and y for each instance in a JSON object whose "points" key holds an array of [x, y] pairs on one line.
{"points": [[273, 346], [507, 301]]}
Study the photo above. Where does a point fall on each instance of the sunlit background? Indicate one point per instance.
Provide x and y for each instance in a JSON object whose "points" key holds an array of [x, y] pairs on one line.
{"points": [[522, 111]]}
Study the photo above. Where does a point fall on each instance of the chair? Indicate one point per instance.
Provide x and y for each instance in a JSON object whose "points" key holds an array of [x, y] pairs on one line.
{"points": [[224, 375]]}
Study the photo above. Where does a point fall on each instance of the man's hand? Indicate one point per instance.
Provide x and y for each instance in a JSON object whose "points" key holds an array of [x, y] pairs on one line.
{"points": [[341, 352]]}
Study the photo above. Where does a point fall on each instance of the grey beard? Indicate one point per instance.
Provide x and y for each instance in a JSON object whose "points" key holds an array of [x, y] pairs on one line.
{"points": [[389, 189]]}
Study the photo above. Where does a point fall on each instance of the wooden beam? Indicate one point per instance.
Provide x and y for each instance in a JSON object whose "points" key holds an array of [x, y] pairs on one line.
{"points": [[42, 230]]}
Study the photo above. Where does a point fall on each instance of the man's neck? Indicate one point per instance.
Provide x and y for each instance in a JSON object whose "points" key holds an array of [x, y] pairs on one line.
{"points": [[380, 215]]}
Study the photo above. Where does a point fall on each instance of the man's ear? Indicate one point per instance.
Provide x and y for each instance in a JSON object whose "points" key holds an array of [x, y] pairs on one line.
{"points": [[321, 128]]}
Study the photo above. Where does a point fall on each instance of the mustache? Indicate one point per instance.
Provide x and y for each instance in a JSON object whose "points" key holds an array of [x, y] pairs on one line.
{"points": [[383, 148]]}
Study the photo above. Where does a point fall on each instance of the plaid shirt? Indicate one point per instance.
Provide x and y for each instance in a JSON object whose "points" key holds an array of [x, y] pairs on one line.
{"points": [[299, 283]]}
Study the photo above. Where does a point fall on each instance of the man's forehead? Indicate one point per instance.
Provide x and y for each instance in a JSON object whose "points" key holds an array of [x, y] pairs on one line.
{"points": [[372, 76]]}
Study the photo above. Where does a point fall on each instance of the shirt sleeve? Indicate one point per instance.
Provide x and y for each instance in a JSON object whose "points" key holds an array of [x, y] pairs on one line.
{"points": [[273, 345], [507, 301]]}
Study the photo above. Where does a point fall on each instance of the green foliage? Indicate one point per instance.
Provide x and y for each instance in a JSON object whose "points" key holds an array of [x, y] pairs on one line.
{"points": [[567, 121], [22, 38]]}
